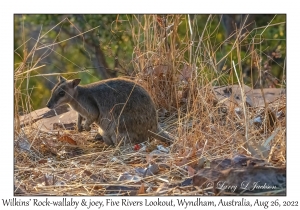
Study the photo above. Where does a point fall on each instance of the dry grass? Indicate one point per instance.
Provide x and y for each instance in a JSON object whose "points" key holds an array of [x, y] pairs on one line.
{"points": [[183, 91]]}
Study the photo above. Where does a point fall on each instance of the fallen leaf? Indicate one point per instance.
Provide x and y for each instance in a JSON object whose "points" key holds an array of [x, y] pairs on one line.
{"points": [[67, 139], [162, 148], [141, 190], [137, 147], [121, 190], [161, 187], [128, 177], [152, 169], [191, 171], [24, 144], [49, 179], [88, 173], [181, 162], [43, 161], [149, 171], [271, 119], [187, 182]]}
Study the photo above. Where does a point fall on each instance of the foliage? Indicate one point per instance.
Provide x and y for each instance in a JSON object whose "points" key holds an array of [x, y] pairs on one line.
{"points": [[95, 46]]}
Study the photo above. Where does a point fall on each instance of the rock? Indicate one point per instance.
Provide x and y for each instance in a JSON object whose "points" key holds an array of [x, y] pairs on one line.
{"points": [[66, 121], [242, 174], [254, 97], [38, 114], [47, 120]]}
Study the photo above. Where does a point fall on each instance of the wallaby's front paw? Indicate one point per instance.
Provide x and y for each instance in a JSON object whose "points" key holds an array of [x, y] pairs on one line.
{"points": [[98, 137], [87, 128], [79, 128]]}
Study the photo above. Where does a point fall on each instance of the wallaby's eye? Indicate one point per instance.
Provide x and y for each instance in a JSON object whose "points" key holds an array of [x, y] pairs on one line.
{"points": [[61, 93]]}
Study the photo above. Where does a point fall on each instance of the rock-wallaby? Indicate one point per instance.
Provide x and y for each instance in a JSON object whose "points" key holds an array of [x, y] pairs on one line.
{"points": [[121, 108]]}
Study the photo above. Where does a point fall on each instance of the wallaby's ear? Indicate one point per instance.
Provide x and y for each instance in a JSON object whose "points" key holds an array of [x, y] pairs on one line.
{"points": [[61, 79], [75, 82]]}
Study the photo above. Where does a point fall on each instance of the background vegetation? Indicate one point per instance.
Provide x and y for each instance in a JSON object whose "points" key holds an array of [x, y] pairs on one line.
{"points": [[95, 47]]}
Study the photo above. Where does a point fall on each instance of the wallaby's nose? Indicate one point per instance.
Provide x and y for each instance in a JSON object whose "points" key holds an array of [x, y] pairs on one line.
{"points": [[48, 105]]}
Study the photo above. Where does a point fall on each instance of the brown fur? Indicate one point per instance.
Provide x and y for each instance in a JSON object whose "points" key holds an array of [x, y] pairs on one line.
{"points": [[122, 109]]}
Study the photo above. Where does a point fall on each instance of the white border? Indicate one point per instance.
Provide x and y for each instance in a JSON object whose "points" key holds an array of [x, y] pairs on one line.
{"points": [[118, 6]]}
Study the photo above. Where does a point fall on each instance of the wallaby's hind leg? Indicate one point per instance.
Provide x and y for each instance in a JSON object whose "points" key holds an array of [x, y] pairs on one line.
{"points": [[107, 137], [108, 140], [98, 137]]}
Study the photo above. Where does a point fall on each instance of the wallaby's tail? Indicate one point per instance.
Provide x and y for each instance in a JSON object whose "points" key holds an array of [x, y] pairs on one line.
{"points": [[162, 135]]}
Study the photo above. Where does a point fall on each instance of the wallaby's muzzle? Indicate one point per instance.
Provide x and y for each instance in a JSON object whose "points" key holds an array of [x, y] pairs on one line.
{"points": [[50, 105]]}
